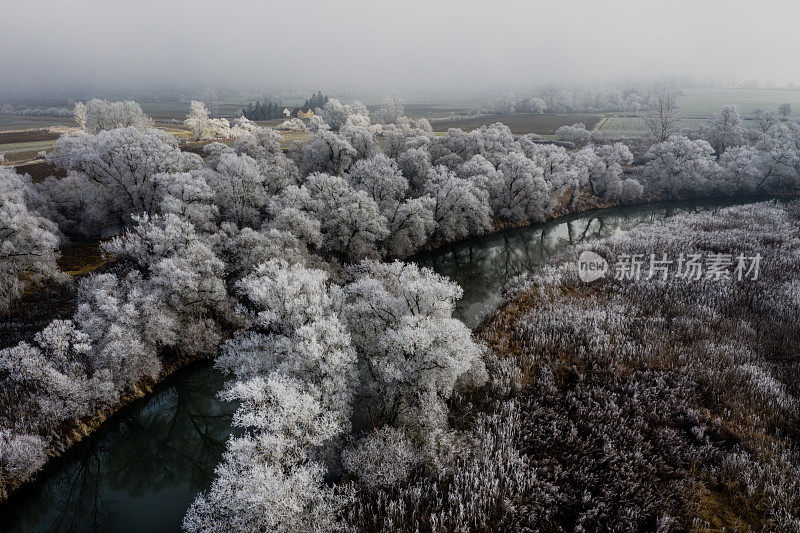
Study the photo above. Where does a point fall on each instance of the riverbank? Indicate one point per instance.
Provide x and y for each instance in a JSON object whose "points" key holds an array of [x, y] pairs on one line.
{"points": [[668, 403]]}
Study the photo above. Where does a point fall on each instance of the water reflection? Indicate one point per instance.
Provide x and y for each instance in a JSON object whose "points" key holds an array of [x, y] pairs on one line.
{"points": [[139, 475], [142, 472], [483, 266]]}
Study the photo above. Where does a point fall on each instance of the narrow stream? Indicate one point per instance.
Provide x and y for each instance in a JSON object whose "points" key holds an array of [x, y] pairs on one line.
{"points": [[143, 469]]}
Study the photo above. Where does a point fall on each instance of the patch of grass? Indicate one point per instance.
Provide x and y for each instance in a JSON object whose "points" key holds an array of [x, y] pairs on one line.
{"points": [[81, 258]]}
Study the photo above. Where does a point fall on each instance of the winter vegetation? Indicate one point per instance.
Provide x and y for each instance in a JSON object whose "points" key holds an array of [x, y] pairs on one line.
{"points": [[362, 401], [37, 111], [661, 404], [205, 128]]}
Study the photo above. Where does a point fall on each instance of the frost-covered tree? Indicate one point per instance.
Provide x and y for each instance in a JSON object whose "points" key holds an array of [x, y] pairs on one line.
{"points": [[117, 169], [265, 481], [680, 166], [204, 127], [415, 164], [241, 191], [784, 110], [361, 139], [324, 152], [765, 120], [602, 171], [380, 177], [506, 103], [128, 324], [576, 134], [461, 207], [411, 351], [725, 130], [28, 241], [54, 380], [537, 105], [296, 377], [410, 226], [521, 193], [183, 275], [778, 158], [188, 195], [260, 143], [294, 332], [182, 266], [98, 115], [392, 109], [336, 115], [662, 118], [352, 225]]}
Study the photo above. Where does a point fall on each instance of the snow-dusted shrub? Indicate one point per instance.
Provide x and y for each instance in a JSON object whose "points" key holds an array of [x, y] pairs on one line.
{"points": [[576, 134], [28, 241], [382, 458], [98, 115], [351, 223], [681, 167], [117, 170], [205, 128], [324, 152], [461, 207], [411, 351], [293, 124]]}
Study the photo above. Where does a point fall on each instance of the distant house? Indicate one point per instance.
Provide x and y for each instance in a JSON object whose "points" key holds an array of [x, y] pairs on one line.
{"points": [[304, 112], [286, 113]]}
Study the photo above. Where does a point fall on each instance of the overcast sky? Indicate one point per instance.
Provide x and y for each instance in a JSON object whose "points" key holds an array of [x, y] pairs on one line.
{"points": [[54, 46]]}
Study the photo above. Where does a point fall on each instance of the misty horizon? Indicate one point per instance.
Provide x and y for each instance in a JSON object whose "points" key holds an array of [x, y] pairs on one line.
{"points": [[352, 47]]}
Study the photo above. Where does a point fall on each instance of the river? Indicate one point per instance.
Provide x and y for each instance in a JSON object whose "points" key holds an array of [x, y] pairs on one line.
{"points": [[141, 471]]}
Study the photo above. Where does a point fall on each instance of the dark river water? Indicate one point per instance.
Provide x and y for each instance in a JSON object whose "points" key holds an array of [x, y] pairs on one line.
{"points": [[141, 471]]}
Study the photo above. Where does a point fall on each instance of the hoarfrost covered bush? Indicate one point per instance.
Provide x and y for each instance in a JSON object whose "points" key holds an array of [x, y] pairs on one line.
{"points": [[412, 352], [28, 241], [680, 167], [117, 169], [294, 124], [98, 115], [383, 458], [296, 373], [324, 152], [576, 134], [726, 130], [351, 223], [461, 208], [205, 128]]}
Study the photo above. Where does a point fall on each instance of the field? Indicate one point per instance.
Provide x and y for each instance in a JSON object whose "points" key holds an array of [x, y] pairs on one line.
{"points": [[522, 123], [706, 102], [619, 127], [14, 122]]}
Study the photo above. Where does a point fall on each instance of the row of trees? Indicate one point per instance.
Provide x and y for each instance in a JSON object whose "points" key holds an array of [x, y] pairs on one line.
{"points": [[266, 111]]}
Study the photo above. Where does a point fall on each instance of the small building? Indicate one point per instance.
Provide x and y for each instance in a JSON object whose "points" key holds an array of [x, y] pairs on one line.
{"points": [[305, 112], [286, 113]]}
